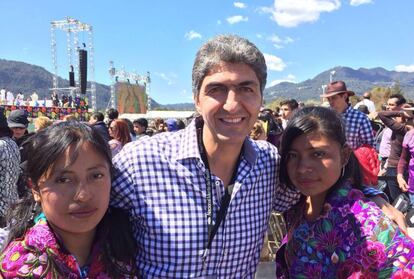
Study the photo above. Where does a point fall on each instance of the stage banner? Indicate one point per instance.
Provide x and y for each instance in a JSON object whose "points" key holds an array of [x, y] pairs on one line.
{"points": [[131, 98]]}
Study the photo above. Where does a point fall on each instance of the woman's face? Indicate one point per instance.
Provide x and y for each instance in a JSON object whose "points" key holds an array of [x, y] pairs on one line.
{"points": [[314, 163], [74, 197], [112, 129]]}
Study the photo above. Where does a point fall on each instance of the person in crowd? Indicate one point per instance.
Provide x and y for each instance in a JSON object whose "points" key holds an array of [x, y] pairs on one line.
{"points": [[363, 109], [406, 166], [272, 126], [69, 117], [399, 122], [130, 128], [366, 101], [287, 109], [334, 232], [64, 229], [18, 123], [160, 126], [180, 124], [171, 125], [96, 121], [258, 131], [394, 103], [42, 122], [200, 198], [9, 167], [111, 115], [119, 133], [358, 127], [140, 127]]}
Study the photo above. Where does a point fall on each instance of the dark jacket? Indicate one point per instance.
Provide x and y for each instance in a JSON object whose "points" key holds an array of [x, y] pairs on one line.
{"points": [[102, 130]]}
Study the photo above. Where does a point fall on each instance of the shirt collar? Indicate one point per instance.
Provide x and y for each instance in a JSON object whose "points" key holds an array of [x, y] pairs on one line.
{"points": [[348, 110]]}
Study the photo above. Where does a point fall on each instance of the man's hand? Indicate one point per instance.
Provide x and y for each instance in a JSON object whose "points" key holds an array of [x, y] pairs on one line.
{"points": [[391, 212], [402, 183]]}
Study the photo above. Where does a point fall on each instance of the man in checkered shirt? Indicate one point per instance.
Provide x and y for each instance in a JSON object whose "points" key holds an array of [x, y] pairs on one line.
{"points": [[358, 128], [163, 180]]}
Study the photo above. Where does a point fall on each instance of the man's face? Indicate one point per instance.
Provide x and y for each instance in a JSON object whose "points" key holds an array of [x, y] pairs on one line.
{"points": [[92, 120], [138, 129], [338, 102], [392, 104], [286, 112], [229, 102], [18, 132]]}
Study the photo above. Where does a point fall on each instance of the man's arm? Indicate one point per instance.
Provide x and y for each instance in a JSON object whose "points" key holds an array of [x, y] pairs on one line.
{"points": [[285, 198]]}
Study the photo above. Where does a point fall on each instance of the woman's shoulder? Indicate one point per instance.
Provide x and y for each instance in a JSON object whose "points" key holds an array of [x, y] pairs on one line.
{"points": [[29, 256]]}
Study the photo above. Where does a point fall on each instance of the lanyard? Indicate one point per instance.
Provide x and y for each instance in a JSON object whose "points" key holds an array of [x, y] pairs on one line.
{"points": [[225, 201]]}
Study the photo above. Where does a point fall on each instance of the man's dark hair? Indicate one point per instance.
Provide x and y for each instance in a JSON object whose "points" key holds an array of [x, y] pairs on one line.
{"points": [[401, 99], [141, 122], [292, 104], [112, 113], [98, 116]]}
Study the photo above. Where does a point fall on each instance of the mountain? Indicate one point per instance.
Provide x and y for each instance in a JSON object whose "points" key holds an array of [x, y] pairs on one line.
{"points": [[19, 76], [359, 81]]}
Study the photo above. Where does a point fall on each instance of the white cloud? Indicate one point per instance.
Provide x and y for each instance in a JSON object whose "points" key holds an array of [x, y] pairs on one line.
{"points": [[405, 68], [237, 19], [192, 35], [289, 78], [240, 5], [360, 2], [274, 63], [169, 78], [279, 42], [288, 13], [219, 22]]}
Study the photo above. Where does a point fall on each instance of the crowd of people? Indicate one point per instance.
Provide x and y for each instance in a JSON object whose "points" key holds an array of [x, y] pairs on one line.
{"points": [[119, 199]]}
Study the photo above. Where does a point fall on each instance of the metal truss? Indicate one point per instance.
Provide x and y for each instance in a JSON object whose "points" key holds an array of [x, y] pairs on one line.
{"points": [[72, 27]]}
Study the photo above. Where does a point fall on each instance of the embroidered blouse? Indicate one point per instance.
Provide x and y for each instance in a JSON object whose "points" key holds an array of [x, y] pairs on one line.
{"points": [[39, 255], [352, 238]]}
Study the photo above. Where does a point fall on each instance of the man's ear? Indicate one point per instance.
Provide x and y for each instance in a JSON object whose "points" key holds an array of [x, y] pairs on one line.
{"points": [[36, 196], [197, 103], [346, 153]]}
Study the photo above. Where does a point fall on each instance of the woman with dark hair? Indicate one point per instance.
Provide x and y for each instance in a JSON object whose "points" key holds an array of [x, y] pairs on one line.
{"points": [[9, 167], [119, 132], [334, 231], [64, 228]]}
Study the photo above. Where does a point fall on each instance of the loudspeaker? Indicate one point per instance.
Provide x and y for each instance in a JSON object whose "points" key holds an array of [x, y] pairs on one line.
{"points": [[83, 70], [71, 77]]}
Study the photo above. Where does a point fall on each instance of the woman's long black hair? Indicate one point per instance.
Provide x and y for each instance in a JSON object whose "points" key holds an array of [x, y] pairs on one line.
{"points": [[45, 148], [327, 122]]}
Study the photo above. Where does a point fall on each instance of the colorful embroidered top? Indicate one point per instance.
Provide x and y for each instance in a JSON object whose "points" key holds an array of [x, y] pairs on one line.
{"points": [[40, 255], [351, 239]]}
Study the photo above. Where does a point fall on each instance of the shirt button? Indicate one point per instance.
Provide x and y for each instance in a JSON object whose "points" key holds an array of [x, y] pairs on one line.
{"points": [[225, 252], [217, 183]]}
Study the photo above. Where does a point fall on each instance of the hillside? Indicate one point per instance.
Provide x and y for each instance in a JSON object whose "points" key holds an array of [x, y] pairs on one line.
{"points": [[19, 76], [359, 81]]}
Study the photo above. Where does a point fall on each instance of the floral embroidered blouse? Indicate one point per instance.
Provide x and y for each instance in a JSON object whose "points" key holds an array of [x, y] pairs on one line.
{"points": [[39, 255], [352, 238]]}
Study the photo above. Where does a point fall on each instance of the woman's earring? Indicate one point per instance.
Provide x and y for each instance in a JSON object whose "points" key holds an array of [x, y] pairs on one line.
{"points": [[343, 171], [33, 212]]}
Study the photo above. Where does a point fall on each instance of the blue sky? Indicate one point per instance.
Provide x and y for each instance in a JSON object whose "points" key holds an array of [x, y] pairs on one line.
{"points": [[300, 38]]}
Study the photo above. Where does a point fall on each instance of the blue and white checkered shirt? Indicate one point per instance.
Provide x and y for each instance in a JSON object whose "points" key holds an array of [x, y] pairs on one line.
{"points": [[161, 182], [358, 128]]}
